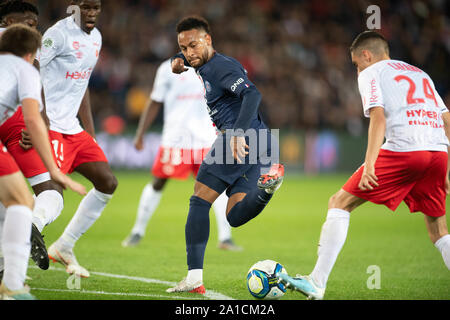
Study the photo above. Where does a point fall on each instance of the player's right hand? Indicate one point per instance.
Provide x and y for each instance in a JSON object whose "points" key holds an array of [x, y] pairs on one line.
{"points": [[238, 148], [139, 143], [178, 66], [67, 182], [368, 179]]}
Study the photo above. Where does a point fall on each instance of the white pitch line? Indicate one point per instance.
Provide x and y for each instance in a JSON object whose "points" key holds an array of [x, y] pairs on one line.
{"points": [[115, 294], [209, 293]]}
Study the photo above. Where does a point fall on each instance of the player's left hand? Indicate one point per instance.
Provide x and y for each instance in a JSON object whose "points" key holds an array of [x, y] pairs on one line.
{"points": [[238, 146], [368, 179], [25, 143]]}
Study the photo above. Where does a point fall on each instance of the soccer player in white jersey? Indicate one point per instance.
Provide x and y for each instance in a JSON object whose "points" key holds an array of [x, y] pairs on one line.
{"points": [[187, 136], [49, 199], [412, 166], [69, 53], [20, 84]]}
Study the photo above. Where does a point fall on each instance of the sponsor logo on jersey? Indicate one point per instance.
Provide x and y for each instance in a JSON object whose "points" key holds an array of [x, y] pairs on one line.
{"points": [[208, 86], [236, 84], [79, 75]]}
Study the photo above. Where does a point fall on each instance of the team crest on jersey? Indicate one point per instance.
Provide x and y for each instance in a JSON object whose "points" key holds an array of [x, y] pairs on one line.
{"points": [[48, 43], [208, 86]]}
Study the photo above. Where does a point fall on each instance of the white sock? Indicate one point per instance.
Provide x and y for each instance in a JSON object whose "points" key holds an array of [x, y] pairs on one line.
{"points": [[89, 210], [2, 220], [48, 206], [443, 245], [16, 246], [148, 203], [220, 209], [194, 276], [332, 239]]}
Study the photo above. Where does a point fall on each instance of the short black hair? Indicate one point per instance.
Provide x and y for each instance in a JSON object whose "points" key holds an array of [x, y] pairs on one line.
{"points": [[17, 6], [370, 40], [20, 40], [193, 22]]}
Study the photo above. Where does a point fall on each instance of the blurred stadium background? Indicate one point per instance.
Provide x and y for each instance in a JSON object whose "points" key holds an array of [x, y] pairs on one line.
{"points": [[296, 53]]}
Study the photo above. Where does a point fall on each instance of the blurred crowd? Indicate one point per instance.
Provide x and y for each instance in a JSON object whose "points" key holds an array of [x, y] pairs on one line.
{"points": [[296, 52]]}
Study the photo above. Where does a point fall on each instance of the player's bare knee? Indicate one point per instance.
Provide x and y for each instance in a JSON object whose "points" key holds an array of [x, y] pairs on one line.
{"points": [[436, 235], [19, 200], [203, 192], [108, 184], [336, 201]]}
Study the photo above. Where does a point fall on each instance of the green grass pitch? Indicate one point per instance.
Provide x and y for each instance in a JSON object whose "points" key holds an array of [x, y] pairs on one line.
{"points": [[287, 231]]}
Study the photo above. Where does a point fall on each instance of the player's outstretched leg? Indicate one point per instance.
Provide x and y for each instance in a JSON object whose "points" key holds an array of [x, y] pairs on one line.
{"points": [[223, 227], [150, 199], [332, 239], [256, 200]]}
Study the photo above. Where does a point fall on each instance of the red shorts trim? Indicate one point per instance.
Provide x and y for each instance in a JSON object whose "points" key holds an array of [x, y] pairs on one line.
{"points": [[418, 178], [172, 163], [72, 150], [29, 161], [7, 164]]}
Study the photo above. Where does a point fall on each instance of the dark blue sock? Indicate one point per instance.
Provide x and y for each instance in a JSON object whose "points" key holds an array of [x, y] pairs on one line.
{"points": [[250, 207], [197, 232]]}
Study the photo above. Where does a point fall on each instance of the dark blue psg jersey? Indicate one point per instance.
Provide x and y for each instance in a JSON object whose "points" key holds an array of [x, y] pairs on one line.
{"points": [[225, 80]]}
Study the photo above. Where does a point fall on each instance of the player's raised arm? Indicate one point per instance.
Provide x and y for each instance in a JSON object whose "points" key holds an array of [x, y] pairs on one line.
{"points": [[179, 63]]}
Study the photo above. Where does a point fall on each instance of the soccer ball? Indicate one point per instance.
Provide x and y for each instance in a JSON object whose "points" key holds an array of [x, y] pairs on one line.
{"points": [[262, 281]]}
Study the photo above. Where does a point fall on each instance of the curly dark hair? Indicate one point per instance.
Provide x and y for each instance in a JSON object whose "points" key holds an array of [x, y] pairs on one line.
{"points": [[193, 22]]}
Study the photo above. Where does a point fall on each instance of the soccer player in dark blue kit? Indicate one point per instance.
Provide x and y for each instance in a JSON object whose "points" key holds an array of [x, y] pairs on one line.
{"points": [[250, 178]]}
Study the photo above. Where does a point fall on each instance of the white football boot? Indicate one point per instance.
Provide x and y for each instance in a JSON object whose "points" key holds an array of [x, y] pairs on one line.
{"points": [[67, 259], [184, 286]]}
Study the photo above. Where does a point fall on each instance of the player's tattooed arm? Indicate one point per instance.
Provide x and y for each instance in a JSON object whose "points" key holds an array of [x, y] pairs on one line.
{"points": [[85, 114], [148, 116], [377, 130]]}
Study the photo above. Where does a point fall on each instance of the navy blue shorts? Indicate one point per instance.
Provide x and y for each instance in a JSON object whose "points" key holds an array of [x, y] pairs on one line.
{"points": [[220, 172]]}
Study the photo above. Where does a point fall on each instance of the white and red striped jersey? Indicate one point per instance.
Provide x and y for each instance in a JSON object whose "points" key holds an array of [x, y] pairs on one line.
{"points": [[412, 106], [68, 57], [19, 80], [187, 124]]}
